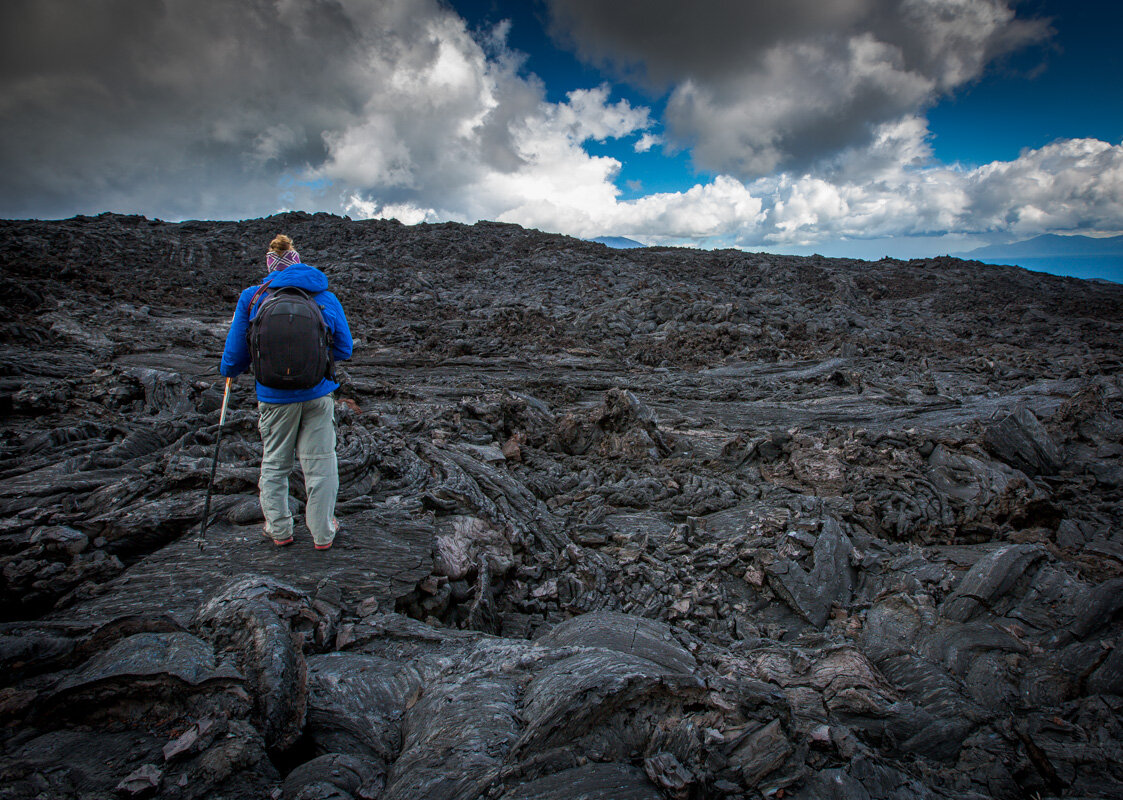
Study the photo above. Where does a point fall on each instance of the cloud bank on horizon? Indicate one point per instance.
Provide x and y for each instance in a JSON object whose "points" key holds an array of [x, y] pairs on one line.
{"points": [[806, 119]]}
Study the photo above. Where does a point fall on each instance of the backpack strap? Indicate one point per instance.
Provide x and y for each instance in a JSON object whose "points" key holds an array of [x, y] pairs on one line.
{"points": [[257, 295]]}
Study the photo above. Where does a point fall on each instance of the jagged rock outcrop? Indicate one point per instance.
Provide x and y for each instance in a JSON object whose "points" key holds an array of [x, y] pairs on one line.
{"points": [[617, 524]]}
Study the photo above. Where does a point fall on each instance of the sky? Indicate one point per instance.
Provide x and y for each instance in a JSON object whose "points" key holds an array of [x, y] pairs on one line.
{"points": [[861, 128]]}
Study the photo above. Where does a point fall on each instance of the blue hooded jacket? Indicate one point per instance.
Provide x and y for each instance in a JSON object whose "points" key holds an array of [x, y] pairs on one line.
{"points": [[236, 356]]}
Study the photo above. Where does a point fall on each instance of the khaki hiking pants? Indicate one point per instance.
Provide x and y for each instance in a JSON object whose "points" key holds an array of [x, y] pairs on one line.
{"points": [[308, 430]]}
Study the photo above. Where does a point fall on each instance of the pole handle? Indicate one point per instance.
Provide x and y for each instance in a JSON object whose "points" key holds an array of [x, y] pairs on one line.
{"points": [[225, 400]]}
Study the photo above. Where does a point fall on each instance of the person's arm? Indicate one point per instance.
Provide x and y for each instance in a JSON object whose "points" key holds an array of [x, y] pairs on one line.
{"points": [[236, 355], [341, 342]]}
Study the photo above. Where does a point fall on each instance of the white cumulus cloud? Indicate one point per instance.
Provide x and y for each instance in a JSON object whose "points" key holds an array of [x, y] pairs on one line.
{"points": [[1071, 185], [780, 84], [646, 142]]}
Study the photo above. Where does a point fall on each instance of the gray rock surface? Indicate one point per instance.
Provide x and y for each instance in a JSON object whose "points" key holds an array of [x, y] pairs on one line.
{"points": [[616, 524], [991, 580]]}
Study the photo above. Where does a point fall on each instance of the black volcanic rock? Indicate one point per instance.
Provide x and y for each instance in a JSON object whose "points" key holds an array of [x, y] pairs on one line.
{"points": [[644, 523], [1021, 441]]}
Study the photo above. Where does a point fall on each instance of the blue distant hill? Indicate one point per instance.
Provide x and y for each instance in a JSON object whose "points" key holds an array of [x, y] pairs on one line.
{"points": [[618, 242], [1075, 256]]}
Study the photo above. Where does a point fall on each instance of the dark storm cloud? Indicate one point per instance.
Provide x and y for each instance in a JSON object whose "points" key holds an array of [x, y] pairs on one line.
{"points": [[223, 109], [668, 40], [189, 100], [757, 86]]}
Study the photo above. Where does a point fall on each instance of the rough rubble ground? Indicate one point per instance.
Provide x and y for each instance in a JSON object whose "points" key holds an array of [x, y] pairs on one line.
{"points": [[617, 524]]}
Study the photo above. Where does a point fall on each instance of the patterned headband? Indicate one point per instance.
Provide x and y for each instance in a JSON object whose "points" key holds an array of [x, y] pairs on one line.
{"points": [[285, 259]]}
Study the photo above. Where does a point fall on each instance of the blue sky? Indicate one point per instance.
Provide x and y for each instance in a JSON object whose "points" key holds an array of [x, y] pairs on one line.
{"points": [[857, 127], [1052, 89], [1060, 89]]}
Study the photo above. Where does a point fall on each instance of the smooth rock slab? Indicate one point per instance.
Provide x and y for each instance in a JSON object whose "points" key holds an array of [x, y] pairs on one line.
{"points": [[335, 776], [357, 703], [1021, 441], [574, 697], [990, 578], [147, 678], [457, 736], [175, 655], [624, 633], [591, 782], [376, 555]]}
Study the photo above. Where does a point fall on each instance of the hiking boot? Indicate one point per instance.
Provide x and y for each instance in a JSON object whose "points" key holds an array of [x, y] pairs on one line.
{"points": [[277, 542], [333, 526]]}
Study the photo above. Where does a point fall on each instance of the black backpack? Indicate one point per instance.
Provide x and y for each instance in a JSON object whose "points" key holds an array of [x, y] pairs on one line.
{"points": [[290, 344]]}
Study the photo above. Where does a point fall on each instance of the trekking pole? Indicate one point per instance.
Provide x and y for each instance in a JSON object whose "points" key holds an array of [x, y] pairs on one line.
{"points": [[214, 468]]}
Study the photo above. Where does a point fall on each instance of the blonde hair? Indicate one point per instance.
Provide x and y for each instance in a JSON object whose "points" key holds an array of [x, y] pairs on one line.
{"points": [[280, 244]]}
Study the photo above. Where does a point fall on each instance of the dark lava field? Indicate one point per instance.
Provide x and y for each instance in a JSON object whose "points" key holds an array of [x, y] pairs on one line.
{"points": [[618, 525]]}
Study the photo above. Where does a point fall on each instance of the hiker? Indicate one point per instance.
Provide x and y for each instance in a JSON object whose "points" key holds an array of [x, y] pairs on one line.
{"points": [[302, 419]]}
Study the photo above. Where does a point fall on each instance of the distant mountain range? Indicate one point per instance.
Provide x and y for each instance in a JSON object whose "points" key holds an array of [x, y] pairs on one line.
{"points": [[618, 242], [1076, 256]]}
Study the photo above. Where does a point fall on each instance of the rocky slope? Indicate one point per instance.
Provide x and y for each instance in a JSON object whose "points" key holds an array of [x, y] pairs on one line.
{"points": [[617, 524]]}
